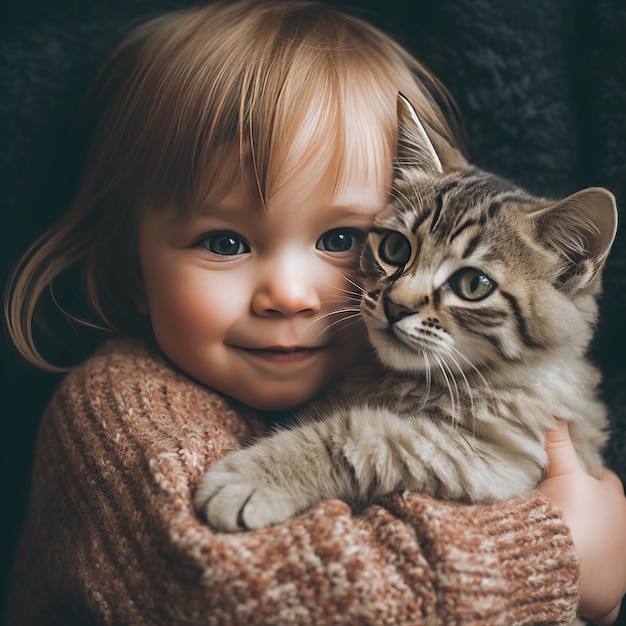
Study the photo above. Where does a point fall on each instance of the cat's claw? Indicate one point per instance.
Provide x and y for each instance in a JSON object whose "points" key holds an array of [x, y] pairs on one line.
{"points": [[233, 500]]}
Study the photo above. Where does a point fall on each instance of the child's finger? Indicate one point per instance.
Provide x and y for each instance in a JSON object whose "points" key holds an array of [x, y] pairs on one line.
{"points": [[562, 458]]}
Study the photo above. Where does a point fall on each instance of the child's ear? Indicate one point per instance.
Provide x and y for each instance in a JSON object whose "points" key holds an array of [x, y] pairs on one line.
{"points": [[581, 229], [416, 150]]}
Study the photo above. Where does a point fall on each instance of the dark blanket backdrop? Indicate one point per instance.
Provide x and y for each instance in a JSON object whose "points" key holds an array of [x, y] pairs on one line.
{"points": [[541, 86]]}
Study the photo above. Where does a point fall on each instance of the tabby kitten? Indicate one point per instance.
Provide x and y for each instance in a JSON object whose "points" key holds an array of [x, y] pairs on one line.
{"points": [[480, 302]]}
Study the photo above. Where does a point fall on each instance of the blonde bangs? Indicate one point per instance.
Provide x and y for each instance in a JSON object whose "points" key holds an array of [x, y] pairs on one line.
{"points": [[334, 116]]}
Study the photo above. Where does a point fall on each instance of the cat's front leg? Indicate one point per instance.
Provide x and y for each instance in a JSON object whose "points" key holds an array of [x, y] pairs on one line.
{"points": [[236, 494], [352, 453], [273, 480]]}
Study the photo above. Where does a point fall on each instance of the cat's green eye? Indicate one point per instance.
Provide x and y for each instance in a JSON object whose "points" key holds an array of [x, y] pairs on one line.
{"points": [[394, 249], [471, 284]]}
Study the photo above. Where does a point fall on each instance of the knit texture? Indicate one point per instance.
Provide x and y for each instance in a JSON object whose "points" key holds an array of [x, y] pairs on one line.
{"points": [[112, 538]]}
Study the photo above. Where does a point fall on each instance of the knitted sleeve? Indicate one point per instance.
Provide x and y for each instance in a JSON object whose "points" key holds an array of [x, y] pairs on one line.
{"points": [[112, 537]]}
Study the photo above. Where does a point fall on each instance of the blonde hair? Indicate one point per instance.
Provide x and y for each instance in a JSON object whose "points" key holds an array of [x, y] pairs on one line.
{"points": [[178, 98]]}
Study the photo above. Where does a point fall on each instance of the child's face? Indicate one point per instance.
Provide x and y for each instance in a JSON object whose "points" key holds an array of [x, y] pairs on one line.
{"points": [[249, 302]]}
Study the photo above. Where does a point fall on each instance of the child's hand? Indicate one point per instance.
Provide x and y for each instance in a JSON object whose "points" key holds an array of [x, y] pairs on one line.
{"points": [[595, 511]]}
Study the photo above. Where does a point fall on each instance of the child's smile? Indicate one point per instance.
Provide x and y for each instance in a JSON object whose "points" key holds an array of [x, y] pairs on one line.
{"points": [[241, 293]]}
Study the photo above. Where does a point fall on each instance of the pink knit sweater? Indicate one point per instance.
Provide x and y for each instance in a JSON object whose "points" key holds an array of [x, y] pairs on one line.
{"points": [[112, 537]]}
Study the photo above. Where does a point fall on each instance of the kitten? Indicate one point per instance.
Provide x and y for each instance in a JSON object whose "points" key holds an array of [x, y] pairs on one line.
{"points": [[480, 302]]}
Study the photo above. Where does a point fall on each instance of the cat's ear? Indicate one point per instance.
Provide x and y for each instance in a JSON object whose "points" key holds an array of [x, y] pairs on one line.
{"points": [[416, 150], [581, 228]]}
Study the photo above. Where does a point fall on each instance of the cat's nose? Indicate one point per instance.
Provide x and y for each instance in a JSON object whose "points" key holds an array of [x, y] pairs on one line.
{"points": [[395, 312]]}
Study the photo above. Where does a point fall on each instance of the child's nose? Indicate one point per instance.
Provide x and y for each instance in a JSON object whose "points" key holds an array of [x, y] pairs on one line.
{"points": [[286, 287]]}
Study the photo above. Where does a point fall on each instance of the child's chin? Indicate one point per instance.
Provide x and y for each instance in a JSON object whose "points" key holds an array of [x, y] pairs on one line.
{"points": [[279, 404]]}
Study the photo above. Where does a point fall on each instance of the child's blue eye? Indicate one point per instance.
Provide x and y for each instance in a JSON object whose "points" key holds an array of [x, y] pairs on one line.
{"points": [[339, 240], [225, 243]]}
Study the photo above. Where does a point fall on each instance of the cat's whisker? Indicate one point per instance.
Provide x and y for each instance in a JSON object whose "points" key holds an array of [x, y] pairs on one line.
{"points": [[354, 283], [401, 197], [350, 315], [429, 379], [452, 354], [353, 297], [348, 309], [350, 322], [345, 313], [406, 202], [471, 366], [345, 322], [336, 305], [357, 291], [417, 198], [455, 354], [402, 200], [443, 368], [485, 391], [345, 294]]}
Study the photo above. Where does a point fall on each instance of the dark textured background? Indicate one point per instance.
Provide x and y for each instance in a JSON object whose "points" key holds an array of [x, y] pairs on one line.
{"points": [[541, 85]]}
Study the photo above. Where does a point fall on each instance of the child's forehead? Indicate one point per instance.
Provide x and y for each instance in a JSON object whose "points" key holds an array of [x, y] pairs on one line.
{"points": [[323, 155]]}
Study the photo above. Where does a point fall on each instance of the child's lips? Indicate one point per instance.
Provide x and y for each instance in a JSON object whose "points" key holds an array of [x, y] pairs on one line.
{"points": [[281, 354]]}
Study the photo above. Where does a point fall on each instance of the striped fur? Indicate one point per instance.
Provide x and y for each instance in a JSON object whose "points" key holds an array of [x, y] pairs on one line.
{"points": [[464, 387]]}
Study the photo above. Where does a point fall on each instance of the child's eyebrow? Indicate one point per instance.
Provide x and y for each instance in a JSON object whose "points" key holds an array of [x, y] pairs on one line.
{"points": [[209, 209], [212, 209], [354, 210]]}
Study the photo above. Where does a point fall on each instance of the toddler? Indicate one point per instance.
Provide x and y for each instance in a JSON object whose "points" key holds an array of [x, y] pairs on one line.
{"points": [[242, 151]]}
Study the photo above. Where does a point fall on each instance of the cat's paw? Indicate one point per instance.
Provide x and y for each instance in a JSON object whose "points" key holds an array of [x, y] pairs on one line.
{"points": [[235, 496]]}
